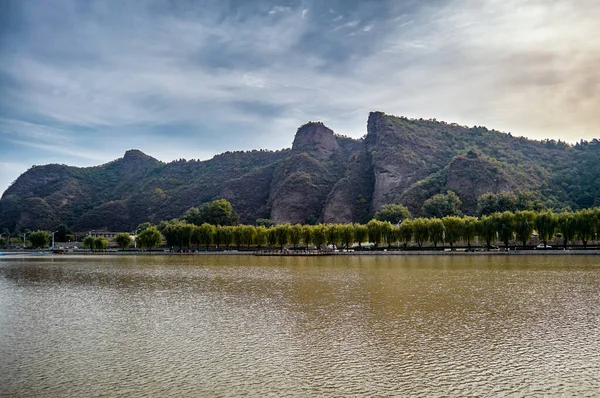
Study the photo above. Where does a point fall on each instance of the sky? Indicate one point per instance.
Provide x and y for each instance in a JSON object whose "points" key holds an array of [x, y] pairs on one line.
{"points": [[81, 82]]}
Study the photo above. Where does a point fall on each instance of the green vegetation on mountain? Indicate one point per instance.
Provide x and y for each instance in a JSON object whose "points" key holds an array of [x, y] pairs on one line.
{"points": [[430, 167]]}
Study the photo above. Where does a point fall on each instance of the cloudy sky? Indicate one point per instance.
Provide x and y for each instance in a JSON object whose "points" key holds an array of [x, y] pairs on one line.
{"points": [[83, 81]]}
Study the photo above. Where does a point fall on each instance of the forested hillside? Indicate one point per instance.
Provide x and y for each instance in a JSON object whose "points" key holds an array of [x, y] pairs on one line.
{"points": [[324, 177]]}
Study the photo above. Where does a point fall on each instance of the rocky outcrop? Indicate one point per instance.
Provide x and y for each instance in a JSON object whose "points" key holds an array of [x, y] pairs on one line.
{"points": [[401, 157], [469, 175], [316, 139]]}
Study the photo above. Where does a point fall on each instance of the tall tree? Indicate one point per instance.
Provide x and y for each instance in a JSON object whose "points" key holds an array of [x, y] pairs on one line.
{"points": [[584, 222], [248, 235], [123, 240], [436, 231], [149, 238], [453, 229], [442, 205], [39, 239], [319, 235], [394, 213], [205, 234], [295, 235], [505, 225], [307, 235], [88, 242], [375, 229], [100, 243], [333, 234], [524, 225], [218, 212], [348, 235], [566, 226], [406, 232], [421, 231], [237, 236], [283, 234], [271, 236], [545, 224], [487, 230], [261, 236], [361, 233], [469, 230]]}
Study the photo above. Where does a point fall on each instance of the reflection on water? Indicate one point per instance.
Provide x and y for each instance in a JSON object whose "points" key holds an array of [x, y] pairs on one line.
{"points": [[293, 326]]}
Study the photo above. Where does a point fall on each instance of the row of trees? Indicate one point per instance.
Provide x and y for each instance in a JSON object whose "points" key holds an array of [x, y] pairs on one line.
{"points": [[506, 227]]}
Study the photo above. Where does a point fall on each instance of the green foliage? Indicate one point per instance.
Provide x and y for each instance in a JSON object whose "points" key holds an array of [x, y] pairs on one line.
{"points": [[295, 235], [406, 231], [453, 229], [123, 240], [193, 216], [333, 234], [389, 232], [248, 234], [220, 212], [319, 235], [435, 226], [375, 229], [100, 243], [394, 213], [545, 224], [469, 229], [524, 225], [271, 236], [39, 239], [261, 236], [361, 233], [442, 205], [505, 226], [585, 225], [143, 226], [149, 238], [490, 203], [487, 230], [265, 222], [88, 242], [282, 233], [307, 234], [347, 235], [206, 232], [566, 224], [421, 231]]}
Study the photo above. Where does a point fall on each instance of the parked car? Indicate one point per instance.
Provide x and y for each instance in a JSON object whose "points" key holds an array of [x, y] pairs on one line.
{"points": [[541, 246]]}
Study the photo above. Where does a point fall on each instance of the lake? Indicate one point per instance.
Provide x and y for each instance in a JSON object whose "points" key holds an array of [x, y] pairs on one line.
{"points": [[137, 326]]}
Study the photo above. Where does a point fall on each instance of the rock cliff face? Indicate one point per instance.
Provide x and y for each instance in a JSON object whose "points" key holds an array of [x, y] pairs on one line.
{"points": [[315, 138], [323, 178], [303, 181]]}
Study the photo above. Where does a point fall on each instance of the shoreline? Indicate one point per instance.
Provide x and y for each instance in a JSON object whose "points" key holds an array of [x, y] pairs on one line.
{"points": [[323, 254]]}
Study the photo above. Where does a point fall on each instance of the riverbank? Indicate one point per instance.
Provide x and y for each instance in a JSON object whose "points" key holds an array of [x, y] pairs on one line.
{"points": [[314, 253]]}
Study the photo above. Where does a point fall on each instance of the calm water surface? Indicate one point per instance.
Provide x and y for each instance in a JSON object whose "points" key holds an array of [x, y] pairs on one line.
{"points": [[276, 326]]}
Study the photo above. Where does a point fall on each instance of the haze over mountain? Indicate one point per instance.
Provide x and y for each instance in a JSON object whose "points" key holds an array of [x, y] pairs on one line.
{"points": [[324, 177], [82, 81]]}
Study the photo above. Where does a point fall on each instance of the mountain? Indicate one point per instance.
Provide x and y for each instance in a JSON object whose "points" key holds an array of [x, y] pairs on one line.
{"points": [[324, 177]]}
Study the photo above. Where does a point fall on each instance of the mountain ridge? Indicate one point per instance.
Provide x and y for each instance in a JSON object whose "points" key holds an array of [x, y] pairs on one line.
{"points": [[323, 177]]}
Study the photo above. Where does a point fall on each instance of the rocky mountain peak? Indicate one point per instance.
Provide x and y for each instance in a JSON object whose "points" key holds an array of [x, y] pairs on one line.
{"points": [[135, 154], [315, 137]]}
